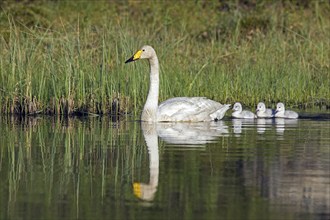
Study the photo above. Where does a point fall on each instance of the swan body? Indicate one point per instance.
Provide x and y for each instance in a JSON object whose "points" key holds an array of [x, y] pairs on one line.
{"points": [[263, 112], [282, 113], [191, 109], [240, 113]]}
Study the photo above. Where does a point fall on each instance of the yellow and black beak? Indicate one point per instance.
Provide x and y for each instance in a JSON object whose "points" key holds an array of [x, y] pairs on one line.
{"points": [[136, 56], [137, 190]]}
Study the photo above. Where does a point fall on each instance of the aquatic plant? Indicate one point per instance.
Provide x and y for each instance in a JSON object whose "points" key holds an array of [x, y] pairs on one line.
{"points": [[68, 58]]}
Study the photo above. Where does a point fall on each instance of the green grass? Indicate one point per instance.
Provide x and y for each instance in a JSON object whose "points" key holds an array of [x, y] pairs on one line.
{"points": [[68, 58]]}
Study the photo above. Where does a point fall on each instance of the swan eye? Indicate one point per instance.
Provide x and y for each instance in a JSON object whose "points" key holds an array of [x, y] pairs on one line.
{"points": [[143, 50]]}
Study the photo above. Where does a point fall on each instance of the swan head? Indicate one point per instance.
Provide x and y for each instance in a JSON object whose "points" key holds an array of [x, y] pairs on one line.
{"points": [[261, 107], [280, 107], [237, 107], [146, 52], [143, 191]]}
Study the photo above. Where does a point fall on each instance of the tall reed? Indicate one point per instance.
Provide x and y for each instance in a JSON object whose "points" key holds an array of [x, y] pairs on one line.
{"points": [[73, 63]]}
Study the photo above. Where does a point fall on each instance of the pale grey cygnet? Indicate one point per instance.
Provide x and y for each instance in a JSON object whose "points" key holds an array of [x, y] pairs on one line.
{"points": [[240, 113], [282, 113], [263, 112]]}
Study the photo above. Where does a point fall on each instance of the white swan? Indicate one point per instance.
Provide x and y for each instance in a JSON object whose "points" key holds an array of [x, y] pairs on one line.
{"points": [[240, 113], [175, 109], [263, 112], [282, 113]]}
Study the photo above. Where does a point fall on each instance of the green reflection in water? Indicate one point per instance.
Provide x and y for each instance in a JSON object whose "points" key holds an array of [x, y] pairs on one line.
{"points": [[58, 168], [93, 168]]}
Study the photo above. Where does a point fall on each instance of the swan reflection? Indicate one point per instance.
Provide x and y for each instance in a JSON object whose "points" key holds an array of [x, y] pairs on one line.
{"points": [[262, 124], [281, 123], [189, 134], [146, 191], [239, 123], [237, 126]]}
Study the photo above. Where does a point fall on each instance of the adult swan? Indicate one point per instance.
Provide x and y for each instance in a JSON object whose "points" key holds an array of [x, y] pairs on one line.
{"points": [[191, 109]]}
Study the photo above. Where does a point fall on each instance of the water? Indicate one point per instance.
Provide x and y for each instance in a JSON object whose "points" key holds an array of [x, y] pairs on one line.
{"points": [[93, 168]]}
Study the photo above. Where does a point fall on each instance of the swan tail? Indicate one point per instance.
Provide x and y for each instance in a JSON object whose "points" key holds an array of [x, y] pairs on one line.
{"points": [[220, 113]]}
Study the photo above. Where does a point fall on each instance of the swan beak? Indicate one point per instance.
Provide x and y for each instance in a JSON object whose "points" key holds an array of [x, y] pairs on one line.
{"points": [[137, 190], [136, 56]]}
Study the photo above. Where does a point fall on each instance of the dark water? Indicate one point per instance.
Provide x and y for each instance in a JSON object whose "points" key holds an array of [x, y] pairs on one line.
{"points": [[93, 168]]}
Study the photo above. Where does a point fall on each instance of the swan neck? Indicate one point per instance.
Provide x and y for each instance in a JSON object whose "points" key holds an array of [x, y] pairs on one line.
{"points": [[150, 108]]}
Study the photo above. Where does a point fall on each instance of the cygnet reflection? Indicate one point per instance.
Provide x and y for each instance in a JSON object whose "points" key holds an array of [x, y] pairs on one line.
{"points": [[240, 123], [262, 124], [282, 123]]}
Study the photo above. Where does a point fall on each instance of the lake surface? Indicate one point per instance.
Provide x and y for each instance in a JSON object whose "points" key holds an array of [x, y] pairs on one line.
{"points": [[94, 168]]}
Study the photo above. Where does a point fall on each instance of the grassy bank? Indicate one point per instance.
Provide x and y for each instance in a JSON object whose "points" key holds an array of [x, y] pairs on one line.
{"points": [[61, 57]]}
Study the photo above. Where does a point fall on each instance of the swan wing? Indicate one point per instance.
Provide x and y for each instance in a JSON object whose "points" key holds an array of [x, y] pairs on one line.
{"points": [[290, 114], [248, 114], [188, 109], [268, 113], [244, 114]]}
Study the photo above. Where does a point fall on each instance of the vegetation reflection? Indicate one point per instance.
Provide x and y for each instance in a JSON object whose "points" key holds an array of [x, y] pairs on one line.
{"points": [[93, 167]]}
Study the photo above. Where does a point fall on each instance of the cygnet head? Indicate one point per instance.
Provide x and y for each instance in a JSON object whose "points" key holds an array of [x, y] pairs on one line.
{"points": [[261, 107], [280, 107], [237, 107], [146, 52]]}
